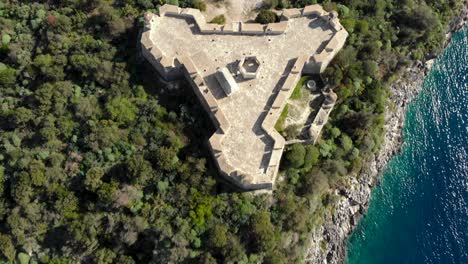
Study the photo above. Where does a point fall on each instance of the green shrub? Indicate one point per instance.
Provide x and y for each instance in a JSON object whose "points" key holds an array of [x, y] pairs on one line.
{"points": [[7, 75], [297, 93], [266, 16], [279, 126], [172, 2], [221, 19], [199, 4], [312, 156], [295, 156]]}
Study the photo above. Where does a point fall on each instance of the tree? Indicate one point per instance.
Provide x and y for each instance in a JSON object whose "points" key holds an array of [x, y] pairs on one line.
{"points": [[23, 258], [312, 156], [346, 142], [139, 170], [87, 107], [218, 236], [199, 4], [22, 116], [6, 247], [6, 39], [123, 259], [201, 208], [37, 172], [121, 110], [2, 180], [266, 16], [263, 233], [295, 156], [166, 158], [7, 76], [335, 132], [93, 178], [362, 26], [371, 68], [315, 182], [51, 66], [221, 19], [343, 10], [104, 256]]}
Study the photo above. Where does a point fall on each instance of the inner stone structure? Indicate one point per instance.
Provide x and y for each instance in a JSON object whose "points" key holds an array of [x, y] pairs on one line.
{"points": [[249, 67], [246, 147]]}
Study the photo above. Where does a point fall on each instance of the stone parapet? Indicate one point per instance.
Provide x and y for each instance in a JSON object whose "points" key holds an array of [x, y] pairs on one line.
{"points": [[313, 10], [322, 116], [235, 176], [251, 28], [291, 13], [212, 28], [321, 60], [146, 42], [276, 28], [169, 10], [275, 111]]}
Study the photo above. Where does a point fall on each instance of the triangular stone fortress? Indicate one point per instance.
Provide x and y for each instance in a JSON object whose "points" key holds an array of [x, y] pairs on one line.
{"points": [[246, 147]]}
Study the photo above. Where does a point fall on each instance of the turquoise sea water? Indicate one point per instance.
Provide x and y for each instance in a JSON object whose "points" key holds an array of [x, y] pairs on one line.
{"points": [[419, 214]]}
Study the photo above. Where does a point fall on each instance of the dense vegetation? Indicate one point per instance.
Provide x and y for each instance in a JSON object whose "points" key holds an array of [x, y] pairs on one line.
{"points": [[101, 163]]}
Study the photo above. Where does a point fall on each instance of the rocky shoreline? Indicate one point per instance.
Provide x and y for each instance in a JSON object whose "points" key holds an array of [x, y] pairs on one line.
{"points": [[328, 243]]}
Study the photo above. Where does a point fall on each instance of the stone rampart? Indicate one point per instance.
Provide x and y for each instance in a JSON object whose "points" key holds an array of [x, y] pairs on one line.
{"points": [[182, 65], [316, 63], [251, 28]]}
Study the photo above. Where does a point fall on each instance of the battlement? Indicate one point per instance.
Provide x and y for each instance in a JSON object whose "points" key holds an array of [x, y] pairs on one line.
{"points": [[244, 101]]}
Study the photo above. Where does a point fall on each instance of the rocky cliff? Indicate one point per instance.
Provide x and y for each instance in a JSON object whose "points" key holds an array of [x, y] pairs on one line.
{"points": [[328, 242]]}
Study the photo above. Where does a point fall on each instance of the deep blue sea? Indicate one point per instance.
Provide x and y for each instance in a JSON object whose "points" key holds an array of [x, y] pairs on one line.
{"points": [[419, 214]]}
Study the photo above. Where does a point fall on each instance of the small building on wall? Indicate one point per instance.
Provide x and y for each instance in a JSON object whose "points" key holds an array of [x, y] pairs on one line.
{"points": [[226, 81]]}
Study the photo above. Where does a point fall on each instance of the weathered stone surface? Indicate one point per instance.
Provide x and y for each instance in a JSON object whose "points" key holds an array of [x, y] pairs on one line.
{"points": [[277, 28], [292, 13], [315, 10], [169, 10], [252, 28]]}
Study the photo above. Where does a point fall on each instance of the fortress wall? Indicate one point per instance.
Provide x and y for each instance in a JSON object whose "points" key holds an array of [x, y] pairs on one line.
{"points": [[316, 128], [291, 13], [278, 105], [208, 101], [235, 176], [313, 10], [322, 59], [168, 68], [276, 28], [250, 28], [164, 65], [213, 28], [204, 94], [169, 10]]}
